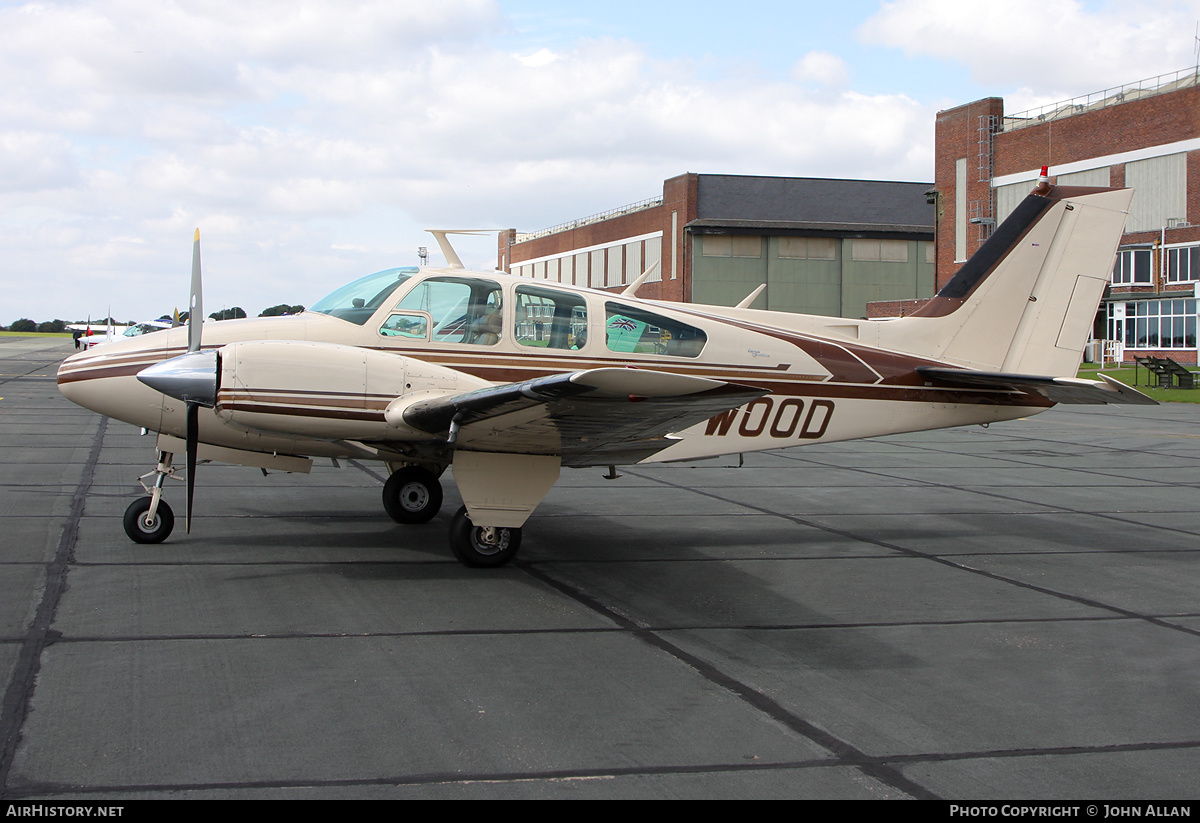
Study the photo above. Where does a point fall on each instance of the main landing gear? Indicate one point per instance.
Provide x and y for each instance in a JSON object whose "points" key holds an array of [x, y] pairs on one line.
{"points": [[412, 495], [482, 546], [150, 519]]}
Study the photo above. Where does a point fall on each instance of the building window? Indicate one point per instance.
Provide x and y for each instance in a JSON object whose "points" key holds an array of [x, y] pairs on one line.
{"points": [[597, 269], [654, 255], [1159, 191], [807, 248], [616, 267], [1132, 268], [1155, 324], [960, 210], [879, 251], [1183, 264], [746, 246], [716, 245], [726, 245], [633, 261]]}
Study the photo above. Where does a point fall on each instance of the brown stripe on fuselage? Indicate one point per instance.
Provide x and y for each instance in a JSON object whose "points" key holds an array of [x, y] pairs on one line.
{"points": [[102, 366], [101, 372], [299, 411], [315, 398]]}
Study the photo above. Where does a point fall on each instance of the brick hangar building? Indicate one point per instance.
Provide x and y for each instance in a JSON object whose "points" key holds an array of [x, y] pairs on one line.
{"points": [[854, 248], [1144, 135]]}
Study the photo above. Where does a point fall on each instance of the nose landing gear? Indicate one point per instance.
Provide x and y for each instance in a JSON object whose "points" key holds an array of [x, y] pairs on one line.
{"points": [[150, 519]]}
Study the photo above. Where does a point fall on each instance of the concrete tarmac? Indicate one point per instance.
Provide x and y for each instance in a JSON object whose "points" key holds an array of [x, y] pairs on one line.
{"points": [[1004, 613]]}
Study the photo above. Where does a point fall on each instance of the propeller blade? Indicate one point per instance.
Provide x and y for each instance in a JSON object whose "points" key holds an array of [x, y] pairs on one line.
{"points": [[193, 439], [196, 302]]}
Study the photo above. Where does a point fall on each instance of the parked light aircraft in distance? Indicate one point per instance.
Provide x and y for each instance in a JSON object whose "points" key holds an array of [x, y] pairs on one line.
{"points": [[110, 334], [94, 335], [506, 380]]}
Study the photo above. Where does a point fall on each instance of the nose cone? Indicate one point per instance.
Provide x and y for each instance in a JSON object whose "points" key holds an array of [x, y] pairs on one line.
{"points": [[107, 386], [69, 382], [191, 377]]}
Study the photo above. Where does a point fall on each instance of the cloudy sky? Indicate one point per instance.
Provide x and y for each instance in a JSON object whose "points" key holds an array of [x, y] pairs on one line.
{"points": [[312, 141]]}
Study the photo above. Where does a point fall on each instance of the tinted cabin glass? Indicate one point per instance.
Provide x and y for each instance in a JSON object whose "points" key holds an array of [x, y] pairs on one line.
{"points": [[629, 329]]}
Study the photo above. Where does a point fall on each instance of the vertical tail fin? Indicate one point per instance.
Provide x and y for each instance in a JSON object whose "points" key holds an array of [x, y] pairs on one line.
{"points": [[1025, 302]]}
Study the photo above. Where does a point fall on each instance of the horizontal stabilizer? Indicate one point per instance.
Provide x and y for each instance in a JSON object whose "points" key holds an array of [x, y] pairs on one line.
{"points": [[593, 417], [1056, 389]]}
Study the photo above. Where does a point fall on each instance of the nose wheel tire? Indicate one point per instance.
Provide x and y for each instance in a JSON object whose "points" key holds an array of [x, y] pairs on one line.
{"points": [[143, 530], [412, 495], [481, 547]]}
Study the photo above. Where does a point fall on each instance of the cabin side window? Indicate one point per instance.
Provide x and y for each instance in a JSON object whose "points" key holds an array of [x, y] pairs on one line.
{"points": [[463, 310], [635, 330], [410, 325], [550, 319]]}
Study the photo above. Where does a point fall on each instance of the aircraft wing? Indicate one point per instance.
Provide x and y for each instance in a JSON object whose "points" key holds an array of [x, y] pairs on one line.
{"points": [[1056, 389], [590, 418]]}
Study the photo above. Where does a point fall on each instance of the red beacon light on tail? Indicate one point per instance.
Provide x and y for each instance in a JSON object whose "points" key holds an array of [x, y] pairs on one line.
{"points": [[1043, 186]]}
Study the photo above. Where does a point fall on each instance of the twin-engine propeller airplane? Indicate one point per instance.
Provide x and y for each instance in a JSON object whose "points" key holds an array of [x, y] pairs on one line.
{"points": [[506, 379]]}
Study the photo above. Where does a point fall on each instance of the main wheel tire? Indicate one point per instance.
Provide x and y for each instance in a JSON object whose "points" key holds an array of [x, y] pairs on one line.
{"points": [[412, 495], [154, 531], [472, 547]]}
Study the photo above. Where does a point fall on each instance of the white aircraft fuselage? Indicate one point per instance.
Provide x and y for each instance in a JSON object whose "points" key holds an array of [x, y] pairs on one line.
{"points": [[504, 377]]}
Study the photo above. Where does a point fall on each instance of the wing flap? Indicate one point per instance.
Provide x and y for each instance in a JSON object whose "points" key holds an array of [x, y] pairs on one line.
{"points": [[1067, 390], [593, 417]]}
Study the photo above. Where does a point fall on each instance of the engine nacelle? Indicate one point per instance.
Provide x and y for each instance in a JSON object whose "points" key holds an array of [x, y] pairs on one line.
{"points": [[324, 390]]}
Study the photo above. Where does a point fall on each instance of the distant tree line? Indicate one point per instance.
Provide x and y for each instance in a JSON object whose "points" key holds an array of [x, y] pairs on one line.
{"points": [[27, 326], [49, 327]]}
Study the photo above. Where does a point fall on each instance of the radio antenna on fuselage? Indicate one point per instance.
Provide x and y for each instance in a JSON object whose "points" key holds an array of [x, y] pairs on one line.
{"points": [[452, 259]]}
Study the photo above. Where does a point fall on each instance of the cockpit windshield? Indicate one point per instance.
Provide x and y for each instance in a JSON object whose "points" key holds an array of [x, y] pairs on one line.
{"points": [[357, 301]]}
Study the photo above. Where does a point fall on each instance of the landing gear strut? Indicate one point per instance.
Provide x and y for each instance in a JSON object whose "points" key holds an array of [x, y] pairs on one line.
{"points": [[150, 519], [412, 495], [482, 546]]}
